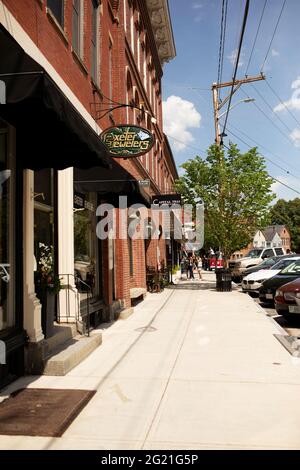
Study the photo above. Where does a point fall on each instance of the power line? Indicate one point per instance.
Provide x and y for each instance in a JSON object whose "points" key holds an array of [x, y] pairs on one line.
{"points": [[269, 119], [237, 61], [286, 185], [221, 41], [267, 158], [270, 107], [224, 37], [283, 103], [275, 179], [274, 32], [254, 43], [187, 145], [268, 150]]}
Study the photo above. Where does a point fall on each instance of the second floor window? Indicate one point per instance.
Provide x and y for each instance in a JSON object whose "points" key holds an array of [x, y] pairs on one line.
{"points": [[94, 42], [77, 27], [57, 9]]}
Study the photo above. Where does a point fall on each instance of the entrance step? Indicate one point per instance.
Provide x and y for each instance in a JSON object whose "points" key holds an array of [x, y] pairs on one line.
{"points": [[136, 292], [61, 334], [70, 354], [124, 313]]}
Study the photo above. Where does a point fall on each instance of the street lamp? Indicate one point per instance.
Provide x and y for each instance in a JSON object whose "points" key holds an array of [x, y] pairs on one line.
{"points": [[245, 100]]}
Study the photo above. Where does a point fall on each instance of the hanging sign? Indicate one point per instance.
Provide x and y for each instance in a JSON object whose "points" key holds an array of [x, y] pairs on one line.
{"points": [[166, 199], [127, 141]]}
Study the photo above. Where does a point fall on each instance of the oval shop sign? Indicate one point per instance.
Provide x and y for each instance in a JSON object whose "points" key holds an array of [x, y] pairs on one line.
{"points": [[127, 141]]}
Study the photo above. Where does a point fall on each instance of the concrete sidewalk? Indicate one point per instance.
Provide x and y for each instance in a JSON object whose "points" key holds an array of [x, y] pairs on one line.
{"points": [[192, 368]]}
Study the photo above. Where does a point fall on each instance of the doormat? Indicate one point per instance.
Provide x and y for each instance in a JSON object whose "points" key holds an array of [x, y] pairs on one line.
{"points": [[41, 412]]}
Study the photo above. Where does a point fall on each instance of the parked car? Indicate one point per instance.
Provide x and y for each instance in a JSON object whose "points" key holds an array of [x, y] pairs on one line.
{"points": [[265, 264], [253, 282], [253, 258], [269, 287], [287, 300]]}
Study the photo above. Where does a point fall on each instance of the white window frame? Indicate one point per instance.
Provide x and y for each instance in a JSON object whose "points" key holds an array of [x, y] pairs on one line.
{"points": [[80, 51], [96, 78]]}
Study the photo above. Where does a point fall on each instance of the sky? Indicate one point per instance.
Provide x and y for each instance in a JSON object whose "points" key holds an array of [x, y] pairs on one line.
{"points": [[266, 123]]}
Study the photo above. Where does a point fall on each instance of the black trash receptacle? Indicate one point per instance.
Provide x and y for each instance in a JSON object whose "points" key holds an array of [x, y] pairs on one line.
{"points": [[223, 280]]}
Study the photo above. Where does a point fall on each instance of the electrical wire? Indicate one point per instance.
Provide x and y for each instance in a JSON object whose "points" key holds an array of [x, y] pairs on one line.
{"points": [[221, 40], [269, 151], [282, 102], [272, 122], [266, 158], [275, 179], [254, 43], [237, 62], [224, 37], [270, 107], [274, 32], [187, 145]]}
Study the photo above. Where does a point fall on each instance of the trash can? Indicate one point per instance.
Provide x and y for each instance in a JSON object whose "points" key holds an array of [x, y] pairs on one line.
{"points": [[223, 280]]}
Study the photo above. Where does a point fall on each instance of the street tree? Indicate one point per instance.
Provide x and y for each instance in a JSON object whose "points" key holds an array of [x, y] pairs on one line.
{"points": [[236, 190], [288, 213]]}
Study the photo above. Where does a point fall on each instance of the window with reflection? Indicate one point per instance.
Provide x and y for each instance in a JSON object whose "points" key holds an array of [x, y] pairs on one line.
{"points": [[7, 238]]}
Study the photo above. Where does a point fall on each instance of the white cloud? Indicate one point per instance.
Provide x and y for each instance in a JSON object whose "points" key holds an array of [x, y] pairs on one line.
{"points": [[295, 136], [197, 6], [179, 116], [281, 191], [274, 53], [294, 101], [232, 58]]}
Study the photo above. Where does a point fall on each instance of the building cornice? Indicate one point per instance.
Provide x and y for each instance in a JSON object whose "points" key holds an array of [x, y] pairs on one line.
{"points": [[162, 29]]}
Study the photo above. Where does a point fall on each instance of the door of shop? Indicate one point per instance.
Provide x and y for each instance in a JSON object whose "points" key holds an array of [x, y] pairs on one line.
{"points": [[88, 259], [44, 239], [12, 336]]}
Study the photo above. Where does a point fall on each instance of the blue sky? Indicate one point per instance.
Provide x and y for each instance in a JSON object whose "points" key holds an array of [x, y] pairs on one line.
{"points": [[188, 78]]}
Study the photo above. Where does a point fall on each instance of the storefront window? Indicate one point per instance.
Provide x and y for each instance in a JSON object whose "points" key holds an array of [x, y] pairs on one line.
{"points": [[44, 203], [7, 175], [86, 250]]}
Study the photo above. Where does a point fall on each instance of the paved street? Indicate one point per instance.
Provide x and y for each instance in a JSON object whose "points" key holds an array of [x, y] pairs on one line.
{"points": [[192, 368]]}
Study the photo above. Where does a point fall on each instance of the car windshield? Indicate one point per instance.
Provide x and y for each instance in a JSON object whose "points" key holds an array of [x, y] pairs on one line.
{"points": [[283, 263], [293, 268], [267, 263], [253, 253]]}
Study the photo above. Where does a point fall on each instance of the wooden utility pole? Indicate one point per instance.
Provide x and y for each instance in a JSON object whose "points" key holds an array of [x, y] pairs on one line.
{"points": [[219, 137], [219, 104]]}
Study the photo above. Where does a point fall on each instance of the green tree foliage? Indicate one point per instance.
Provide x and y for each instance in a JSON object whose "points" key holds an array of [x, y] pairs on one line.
{"points": [[288, 213], [236, 190]]}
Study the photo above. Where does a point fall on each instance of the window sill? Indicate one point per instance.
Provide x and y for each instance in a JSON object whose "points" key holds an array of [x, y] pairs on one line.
{"points": [[56, 24], [79, 61]]}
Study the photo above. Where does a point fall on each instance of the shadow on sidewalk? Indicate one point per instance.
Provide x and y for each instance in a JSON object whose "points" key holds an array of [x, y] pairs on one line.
{"points": [[193, 286]]}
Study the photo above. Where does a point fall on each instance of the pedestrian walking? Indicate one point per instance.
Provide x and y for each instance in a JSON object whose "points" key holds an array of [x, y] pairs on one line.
{"points": [[191, 267], [197, 265]]}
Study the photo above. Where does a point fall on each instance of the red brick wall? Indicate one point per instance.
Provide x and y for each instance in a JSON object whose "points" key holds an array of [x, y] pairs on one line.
{"points": [[57, 48]]}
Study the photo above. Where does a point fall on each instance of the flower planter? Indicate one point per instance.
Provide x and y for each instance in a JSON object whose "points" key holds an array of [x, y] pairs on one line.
{"points": [[48, 313]]}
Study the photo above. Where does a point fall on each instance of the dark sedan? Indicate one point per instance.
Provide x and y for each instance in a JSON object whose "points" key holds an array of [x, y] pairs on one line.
{"points": [[269, 287]]}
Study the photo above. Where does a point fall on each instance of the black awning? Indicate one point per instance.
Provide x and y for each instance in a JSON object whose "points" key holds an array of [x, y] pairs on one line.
{"points": [[110, 183], [51, 133]]}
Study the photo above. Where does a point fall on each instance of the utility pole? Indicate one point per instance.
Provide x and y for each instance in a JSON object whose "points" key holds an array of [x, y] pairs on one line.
{"points": [[219, 104], [235, 85]]}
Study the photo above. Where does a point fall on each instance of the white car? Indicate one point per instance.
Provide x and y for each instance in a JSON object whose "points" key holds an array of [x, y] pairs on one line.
{"points": [[253, 281]]}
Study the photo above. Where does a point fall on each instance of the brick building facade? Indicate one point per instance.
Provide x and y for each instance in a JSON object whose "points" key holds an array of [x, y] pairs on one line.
{"points": [[102, 62]]}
